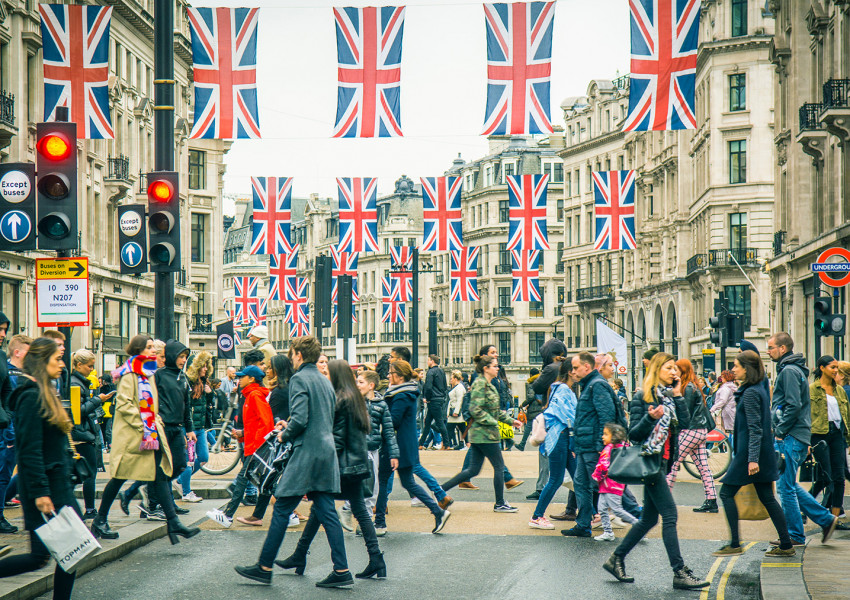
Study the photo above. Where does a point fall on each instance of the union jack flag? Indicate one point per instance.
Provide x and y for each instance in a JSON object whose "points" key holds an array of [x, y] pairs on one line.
{"points": [[358, 214], [441, 216], [280, 268], [394, 309], [257, 311], [614, 204], [75, 43], [224, 59], [272, 215], [526, 269], [368, 46], [464, 275], [401, 257], [527, 212], [665, 35], [519, 65], [345, 263], [245, 297], [404, 281], [296, 308], [299, 329], [236, 336]]}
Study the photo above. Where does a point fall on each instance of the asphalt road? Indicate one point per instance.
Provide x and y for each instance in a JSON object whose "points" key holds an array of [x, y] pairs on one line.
{"points": [[444, 566]]}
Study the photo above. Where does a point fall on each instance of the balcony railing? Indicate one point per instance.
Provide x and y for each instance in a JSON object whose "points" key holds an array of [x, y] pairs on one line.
{"points": [[743, 256], [7, 108], [118, 168], [397, 336], [438, 278], [502, 269], [778, 242], [696, 262], [143, 183], [809, 116], [503, 311], [595, 292], [836, 93], [202, 324], [478, 313]]}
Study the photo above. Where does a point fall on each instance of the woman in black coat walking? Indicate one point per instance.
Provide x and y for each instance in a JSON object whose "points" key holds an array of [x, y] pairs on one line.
{"points": [[754, 459], [44, 479], [279, 375], [87, 433]]}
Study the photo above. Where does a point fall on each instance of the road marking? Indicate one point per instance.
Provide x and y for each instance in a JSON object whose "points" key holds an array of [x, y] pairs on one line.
{"points": [[787, 565], [711, 572], [721, 587]]}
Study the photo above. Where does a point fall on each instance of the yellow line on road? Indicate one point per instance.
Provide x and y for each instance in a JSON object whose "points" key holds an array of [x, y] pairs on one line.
{"points": [[721, 587], [711, 572]]}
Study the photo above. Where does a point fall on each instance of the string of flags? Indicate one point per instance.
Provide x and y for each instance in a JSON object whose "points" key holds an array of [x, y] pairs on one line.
{"points": [[519, 37]]}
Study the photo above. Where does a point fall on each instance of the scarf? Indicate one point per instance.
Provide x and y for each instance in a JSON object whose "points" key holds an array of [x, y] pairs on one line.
{"points": [[143, 367], [654, 444]]}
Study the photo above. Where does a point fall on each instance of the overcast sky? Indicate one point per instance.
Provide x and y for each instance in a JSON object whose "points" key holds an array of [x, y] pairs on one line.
{"points": [[443, 86]]}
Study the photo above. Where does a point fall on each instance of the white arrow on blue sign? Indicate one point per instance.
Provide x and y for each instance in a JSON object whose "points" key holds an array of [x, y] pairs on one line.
{"points": [[131, 254], [15, 226]]}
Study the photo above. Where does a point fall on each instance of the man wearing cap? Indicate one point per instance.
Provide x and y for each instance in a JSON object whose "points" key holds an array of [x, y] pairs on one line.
{"points": [[259, 338]]}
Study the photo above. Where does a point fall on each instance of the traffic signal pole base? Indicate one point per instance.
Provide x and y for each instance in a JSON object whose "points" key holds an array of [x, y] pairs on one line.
{"points": [[164, 306]]}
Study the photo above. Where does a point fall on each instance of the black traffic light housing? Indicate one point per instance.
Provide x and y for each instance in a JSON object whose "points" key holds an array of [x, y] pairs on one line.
{"points": [[323, 304], [826, 323], [719, 337], [17, 206], [132, 239], [56, 168], [164, 221]]}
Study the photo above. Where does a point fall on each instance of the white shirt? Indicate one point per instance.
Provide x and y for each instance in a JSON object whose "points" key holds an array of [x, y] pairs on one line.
{"points": [[832, 412]]}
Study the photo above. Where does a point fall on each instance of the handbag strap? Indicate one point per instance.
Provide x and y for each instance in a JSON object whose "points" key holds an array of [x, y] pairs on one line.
{"points": [[74, 454]]}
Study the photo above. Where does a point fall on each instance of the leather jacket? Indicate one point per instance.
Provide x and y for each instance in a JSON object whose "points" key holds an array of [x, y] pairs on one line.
{"points": [[350, 443]]}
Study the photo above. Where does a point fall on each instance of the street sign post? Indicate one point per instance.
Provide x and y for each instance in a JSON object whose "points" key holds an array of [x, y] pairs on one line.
{"points": [[823, 268], [17, 206], [62, 292]]}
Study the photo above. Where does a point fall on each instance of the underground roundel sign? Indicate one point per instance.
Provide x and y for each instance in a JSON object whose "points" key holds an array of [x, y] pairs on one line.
{"points": [[825, 269], [225, 342]]}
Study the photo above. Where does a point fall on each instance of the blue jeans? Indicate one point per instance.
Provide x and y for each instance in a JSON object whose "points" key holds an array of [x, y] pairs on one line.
{"points": [[560, 460], [794, 497], [7, 466], [202, 455], [428, 479], [584, 488]]}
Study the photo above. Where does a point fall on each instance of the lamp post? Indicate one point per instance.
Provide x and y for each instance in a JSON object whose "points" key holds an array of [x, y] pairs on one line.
{"points": [[97, 336], [416, 269]]}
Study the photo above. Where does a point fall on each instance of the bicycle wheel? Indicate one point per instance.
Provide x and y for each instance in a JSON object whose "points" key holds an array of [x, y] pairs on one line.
{"points": [[224, 455], [719, 458]]}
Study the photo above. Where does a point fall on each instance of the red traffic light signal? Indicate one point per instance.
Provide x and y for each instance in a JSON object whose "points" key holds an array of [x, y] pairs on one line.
{"points": [[54, 146], [161, 190], [164, 221], [56, 176]]}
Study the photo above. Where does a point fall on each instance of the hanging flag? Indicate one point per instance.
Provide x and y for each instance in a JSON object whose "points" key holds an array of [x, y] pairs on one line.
{"points": [[295, 302], [257, 311], [75, 42], [298, 330], [345, 263], [358, 214], [464, 275], [527, 212], [401, 257], [230, 318], [280, 267], [665, 35], [611, 342], [441, 214], [225, 336], [519, 65], [224, 63], [394, 310], [525, 265], [368, 47], [272, 204], [245, 298], [403, 281], [614, 205]]}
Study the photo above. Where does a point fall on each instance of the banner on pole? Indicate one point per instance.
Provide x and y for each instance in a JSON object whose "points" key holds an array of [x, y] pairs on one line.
{"points": [[225, 340], [608, 340]]}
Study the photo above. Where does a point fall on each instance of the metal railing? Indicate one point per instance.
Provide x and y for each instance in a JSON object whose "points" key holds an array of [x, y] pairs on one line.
{"points": [[836, 93], [778, 242], [478, 313], [595, 292], [7, 108], [397, 336], [809, 116], [143, 183], [202, 323], [503, 311], [502, 269], [696, 262], [743, 256], [118, 168], [438, 278]]}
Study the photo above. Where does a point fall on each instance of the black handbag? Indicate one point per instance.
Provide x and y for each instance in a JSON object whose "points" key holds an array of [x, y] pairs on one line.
{"points": [[268, 462], [630, 467], [80, 467]]}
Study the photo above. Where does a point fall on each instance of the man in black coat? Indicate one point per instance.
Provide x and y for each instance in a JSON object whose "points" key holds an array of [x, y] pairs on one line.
{"points": [[435, 395]]}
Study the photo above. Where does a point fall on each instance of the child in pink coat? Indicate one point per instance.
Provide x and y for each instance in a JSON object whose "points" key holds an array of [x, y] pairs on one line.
{"points": [[610, 492]]}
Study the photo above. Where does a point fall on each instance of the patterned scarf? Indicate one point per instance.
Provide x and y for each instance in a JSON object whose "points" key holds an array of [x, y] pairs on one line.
{"points": [[654, 444], [143, 367]]}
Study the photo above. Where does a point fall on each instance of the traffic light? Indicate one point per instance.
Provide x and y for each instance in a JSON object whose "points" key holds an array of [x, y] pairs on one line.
{"points": [[17, 206], [734, 329], [719, 337], [826, 323], [56, 167], [323, 305], [132, 239], [164, 221]]}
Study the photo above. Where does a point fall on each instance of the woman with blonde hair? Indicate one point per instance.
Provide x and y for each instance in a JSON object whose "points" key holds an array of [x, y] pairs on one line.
{"points": [[202, 401], [86, 434], [656, 411]]}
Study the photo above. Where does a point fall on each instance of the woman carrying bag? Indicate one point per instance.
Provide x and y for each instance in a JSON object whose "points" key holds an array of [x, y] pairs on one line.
{"points": [[44, 478], [87, 433], [754, 461], [656, 411]]}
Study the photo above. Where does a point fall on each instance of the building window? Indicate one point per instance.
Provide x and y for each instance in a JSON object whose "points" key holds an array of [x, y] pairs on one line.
{"points": [[398, 242], [504, 210], [737, 92], [504, 347], [739, 18], [411, 242], [488, 175], [9, 304], [199, 303], [535, 308], [504, 297], [146, 320], [569, 229], [504, 255], [738, 297], [116, 319], [737, 231], [559, 208], [555, 171], [198, 232], [197, 169], [738, 161], [559, 258], [508, 170], [560, 295], [535, 340]]}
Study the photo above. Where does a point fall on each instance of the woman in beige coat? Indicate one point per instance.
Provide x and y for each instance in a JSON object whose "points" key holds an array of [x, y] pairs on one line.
{"points": [[139, 446]]}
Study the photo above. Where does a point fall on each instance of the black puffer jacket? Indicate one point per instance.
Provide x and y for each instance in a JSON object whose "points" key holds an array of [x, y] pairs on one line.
{"points": [[350, 443], [382, 433], [173, 387], [87, 430], [641, 424]]}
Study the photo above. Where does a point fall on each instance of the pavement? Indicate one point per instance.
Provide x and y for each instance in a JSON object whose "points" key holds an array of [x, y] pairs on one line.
{"points": [[482, 554]]}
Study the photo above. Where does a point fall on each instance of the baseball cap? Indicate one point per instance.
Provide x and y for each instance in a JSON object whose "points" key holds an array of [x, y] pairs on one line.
{"points": [[252, 371]]}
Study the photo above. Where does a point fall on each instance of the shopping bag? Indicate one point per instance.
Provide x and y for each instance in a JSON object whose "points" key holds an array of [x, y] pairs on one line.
{"points": [[538, 430], [67, 538], [749, 506]]}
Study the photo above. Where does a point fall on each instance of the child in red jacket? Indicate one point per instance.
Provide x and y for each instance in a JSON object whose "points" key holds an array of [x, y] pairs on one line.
{"points": [[257, 422], [610, 491]]}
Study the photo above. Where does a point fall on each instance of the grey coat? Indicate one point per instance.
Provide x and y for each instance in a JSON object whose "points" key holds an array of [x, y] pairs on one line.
{"points": [[313, 466]]}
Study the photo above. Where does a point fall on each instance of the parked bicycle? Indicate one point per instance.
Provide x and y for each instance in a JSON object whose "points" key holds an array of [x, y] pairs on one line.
{"points": [[719, 448]]}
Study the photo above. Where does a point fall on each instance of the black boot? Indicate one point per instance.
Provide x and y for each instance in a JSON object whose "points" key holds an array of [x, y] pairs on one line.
{"points": [[617, 568], [297, 561], [709, 506], [176, 528], [336, 580], [124, 498], [256, 573], [100, 528], [684, 579], [376, 567]]}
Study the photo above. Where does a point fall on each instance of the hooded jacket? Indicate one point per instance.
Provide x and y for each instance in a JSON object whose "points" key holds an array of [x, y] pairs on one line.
{"points": [[791, 405], [5, 382], [257, 415], [175, 407], [548, 351], [402, 402]]}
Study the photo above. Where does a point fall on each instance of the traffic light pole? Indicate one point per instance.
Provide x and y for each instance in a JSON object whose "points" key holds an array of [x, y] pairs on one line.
{"points": [[414, 318], [816, 295], [164, 146]]}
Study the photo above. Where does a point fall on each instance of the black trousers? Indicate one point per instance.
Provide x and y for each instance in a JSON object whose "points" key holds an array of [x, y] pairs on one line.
{"points": [[89, 452], [831, 466], [435, 418], [353, 492], [477, 453], [765, 494], [160, 486]]}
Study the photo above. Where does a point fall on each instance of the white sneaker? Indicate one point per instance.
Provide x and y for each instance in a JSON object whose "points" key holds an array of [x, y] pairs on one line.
{"points": [[438, 446], [346, 519], [192, 497], [219, 517], [294, 521], [605, 537], [618, 523], [415, 503]]}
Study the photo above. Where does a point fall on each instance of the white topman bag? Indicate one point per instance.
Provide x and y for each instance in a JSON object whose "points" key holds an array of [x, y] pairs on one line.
{"points": [[67, 538], [538, 430]]}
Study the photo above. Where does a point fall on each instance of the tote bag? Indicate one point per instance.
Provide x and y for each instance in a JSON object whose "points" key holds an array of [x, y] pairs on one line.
{"points": [[749, 506], [538, 430], [67, 538]]}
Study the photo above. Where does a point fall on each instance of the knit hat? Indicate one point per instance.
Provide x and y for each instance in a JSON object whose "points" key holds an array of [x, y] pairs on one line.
{"points": [[260, 331], [745, 345]]}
